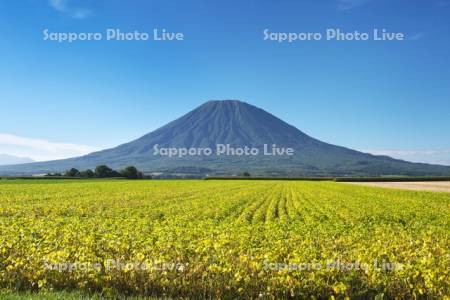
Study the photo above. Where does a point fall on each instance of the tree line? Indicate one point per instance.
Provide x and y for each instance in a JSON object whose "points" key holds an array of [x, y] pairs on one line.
{"points": [[102, 171]]}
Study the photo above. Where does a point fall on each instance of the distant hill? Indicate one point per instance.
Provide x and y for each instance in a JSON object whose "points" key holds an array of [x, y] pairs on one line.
{"points": [[6, 159], [238, 124]]}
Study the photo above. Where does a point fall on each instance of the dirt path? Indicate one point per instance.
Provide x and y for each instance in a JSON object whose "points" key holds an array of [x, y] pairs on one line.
{"points": [[435, 186]]}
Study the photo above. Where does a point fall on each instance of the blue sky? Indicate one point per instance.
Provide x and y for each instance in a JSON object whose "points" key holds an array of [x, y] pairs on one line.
{"points": [[64, 99]]}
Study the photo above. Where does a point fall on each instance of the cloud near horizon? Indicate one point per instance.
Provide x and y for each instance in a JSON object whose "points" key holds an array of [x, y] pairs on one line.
{"points": [[440, 157], [39, 149]]}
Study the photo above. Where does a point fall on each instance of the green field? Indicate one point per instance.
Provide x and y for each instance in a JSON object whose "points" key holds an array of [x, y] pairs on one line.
{"points": [[222, 239]]}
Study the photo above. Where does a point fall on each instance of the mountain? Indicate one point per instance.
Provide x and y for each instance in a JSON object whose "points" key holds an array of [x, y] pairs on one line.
{"points": [[237, 124], [6, 159]]}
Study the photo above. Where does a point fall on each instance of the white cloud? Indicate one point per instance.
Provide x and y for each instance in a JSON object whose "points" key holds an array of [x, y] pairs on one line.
{"points": [[408, 152], [445, 162], [39, 149], [350, 4], [65, 7], [440, 156]]}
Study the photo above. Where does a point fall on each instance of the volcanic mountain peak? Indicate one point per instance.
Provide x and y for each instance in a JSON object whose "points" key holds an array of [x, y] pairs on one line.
{"points": [[224, 122], [232, 105], [238, 124], [225, 102]]}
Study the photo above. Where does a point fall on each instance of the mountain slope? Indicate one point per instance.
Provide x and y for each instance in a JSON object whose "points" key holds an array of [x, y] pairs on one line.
{"points": [[238, 124]]}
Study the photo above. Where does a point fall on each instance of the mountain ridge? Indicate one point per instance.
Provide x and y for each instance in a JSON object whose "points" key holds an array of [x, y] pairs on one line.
{"points": [[239, 124]]}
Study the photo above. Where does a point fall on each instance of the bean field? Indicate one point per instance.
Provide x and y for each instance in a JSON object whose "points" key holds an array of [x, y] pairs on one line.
{"points": [[223, 239]]}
